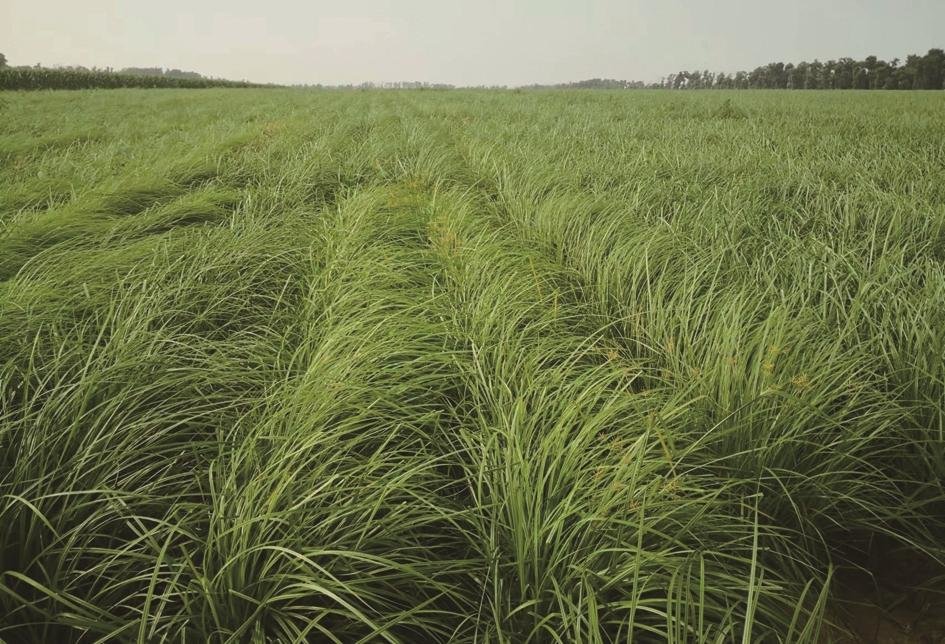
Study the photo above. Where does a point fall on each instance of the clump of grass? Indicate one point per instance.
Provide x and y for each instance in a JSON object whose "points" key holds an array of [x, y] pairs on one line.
{"points": [[728, 110]]}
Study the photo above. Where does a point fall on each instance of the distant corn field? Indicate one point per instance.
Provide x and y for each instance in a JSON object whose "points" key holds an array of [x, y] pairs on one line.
{"points": [[27, 78]]}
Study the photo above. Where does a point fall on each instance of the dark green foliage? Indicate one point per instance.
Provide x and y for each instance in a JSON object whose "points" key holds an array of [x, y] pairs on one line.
{"points": [[31, 78], [918, 72]]}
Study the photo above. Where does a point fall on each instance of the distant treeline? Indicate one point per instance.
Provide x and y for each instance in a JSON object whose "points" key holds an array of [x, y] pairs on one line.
{"points": [[917, 72], [597, 83], [387, 85], [33, 78]]}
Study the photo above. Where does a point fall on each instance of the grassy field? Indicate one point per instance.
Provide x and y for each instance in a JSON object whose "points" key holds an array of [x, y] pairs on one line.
{"points": [[282, 366]]}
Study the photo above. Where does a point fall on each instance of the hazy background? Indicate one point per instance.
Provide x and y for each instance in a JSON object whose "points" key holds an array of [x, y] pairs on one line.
{"points": [[467, 42]]}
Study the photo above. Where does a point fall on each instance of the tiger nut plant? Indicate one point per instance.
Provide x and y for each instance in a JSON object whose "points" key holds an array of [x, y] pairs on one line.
{"points": [[469, 366]]}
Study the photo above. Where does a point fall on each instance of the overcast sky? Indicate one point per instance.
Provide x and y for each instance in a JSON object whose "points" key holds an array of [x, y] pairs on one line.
{"points": [[460, 41]]}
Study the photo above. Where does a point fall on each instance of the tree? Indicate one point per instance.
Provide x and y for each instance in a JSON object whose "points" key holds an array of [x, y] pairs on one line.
{"points": [[756, 79], [776, 78], [3, 61], [814, 74], [930, 69], [801, 76], [909, 73], [861, 78]]}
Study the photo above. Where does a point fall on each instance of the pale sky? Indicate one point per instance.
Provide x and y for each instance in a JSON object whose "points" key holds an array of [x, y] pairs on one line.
{"points": [[465, 42]]}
